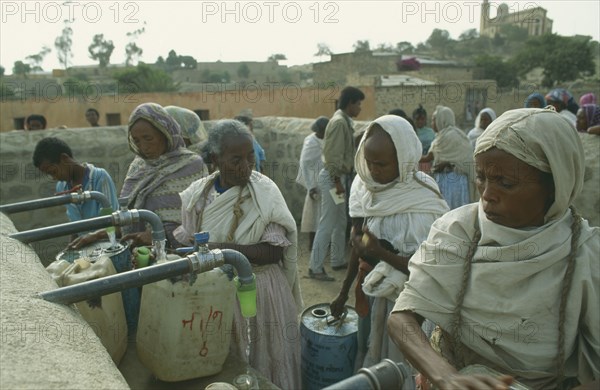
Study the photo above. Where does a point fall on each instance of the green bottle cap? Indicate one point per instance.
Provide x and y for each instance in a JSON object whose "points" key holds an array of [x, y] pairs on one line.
{"points": [[246, 294], [142, 256]]}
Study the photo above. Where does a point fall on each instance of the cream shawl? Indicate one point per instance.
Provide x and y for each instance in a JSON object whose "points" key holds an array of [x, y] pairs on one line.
{"points": [[264, 204], [413, 194], [510, 310], [451, 145]]}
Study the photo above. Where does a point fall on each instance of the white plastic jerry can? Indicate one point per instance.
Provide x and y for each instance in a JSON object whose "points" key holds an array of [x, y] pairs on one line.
{"points": [[184, 331], [105, 315]]}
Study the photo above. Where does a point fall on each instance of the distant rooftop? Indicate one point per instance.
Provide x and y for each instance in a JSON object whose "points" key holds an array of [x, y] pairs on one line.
{"points": [[394, 80]]}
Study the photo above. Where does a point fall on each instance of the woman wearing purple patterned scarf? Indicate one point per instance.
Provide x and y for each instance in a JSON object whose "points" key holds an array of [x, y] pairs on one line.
{"points": [[588, 119], [162, 168]]}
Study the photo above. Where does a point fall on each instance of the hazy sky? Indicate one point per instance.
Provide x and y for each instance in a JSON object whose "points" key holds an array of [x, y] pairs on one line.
{"points": [[253, 30]]}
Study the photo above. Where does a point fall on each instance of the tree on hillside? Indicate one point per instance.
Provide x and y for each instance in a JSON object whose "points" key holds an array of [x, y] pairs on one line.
{"points": [[1, 70], [101, 50], [172, 60], [323, 50], [440, 41], [132, 51], [277, 57], [143, 78], [63, 44], [494, 68], [385, 47], [469, 34], [561, 58], [243, 71], [188, 62], [35, 60], [362, 46], [175, 61], [21, 69], [405, 47], [471, 44]]}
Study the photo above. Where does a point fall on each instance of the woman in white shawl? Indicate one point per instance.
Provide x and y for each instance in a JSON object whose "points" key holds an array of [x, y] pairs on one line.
{"points": [[398, 204], [452, 157], [512, 281], [483, 120], [245, 211]]}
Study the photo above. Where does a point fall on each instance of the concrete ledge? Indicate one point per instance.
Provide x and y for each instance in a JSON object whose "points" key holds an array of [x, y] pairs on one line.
{"points": [[44, 345]]}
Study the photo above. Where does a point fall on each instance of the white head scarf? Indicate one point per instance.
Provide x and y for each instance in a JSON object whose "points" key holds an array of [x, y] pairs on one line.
{"points": [[545, 140], [488, 111], [412, 190], [451, 145]]}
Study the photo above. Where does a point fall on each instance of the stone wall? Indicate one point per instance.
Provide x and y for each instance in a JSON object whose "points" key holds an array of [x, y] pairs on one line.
{"points": [[282, 100], [107, 147], [44, 345]]}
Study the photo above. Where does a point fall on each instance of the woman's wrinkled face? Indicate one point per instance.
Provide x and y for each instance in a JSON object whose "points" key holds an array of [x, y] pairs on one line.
{"points": [[380, 156], [236, 161], [513, 193], [581, 123], [150, 142]]}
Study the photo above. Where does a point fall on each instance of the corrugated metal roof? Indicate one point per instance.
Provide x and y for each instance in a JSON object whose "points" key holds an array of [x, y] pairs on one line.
{"points": [[400, 79]]}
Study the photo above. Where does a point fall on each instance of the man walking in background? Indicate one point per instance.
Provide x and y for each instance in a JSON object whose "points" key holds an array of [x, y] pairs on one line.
{"points": [[338, 158]]}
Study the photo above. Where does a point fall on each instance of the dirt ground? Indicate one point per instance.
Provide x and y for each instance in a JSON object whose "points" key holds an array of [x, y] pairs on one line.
{"points": [[317, 292]]}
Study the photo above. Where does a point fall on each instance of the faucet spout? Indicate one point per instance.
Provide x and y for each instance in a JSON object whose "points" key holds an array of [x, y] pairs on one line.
{"points": [[240, 263], [158, 230], [118, 218]]}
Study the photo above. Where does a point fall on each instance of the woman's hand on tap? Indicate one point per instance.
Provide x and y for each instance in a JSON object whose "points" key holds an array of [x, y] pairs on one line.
{"points": [[138, 239], [87, 239]]}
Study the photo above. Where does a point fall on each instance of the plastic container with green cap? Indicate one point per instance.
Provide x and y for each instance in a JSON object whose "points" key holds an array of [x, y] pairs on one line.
{"points": [[142, 257]]}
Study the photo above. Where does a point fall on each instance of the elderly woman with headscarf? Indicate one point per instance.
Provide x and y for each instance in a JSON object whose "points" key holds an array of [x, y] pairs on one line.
{"points": [[512, 281], [483, 120], [192, 129], [245, 211], [588, 119], [393, 206], [452, 157], [161, 169], [308, 173]]}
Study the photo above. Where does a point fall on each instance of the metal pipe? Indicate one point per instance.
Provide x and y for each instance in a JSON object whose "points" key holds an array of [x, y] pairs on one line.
{"points": [[158, 230], [57, 200], [114, 283], [118, 218], [382, 376], [64, 229], [241, 264], [196, 262]]}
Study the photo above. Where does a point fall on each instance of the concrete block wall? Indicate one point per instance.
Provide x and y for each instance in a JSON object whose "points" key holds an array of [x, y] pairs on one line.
{"points": [[44, 345], [107, 147]]}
